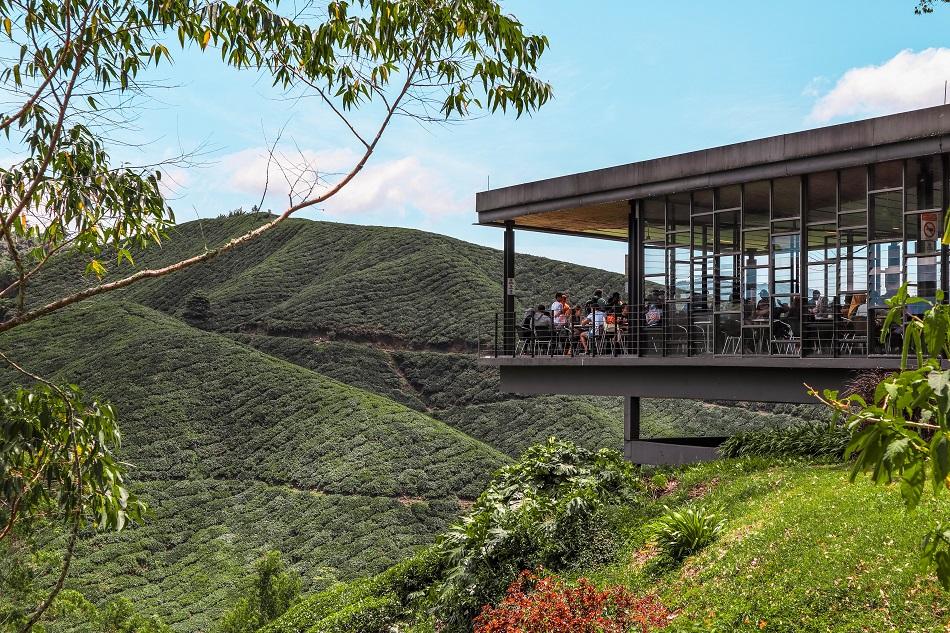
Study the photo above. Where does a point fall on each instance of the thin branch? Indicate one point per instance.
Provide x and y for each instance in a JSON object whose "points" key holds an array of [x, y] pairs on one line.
{"points": [[54, 139], [152, 273]]}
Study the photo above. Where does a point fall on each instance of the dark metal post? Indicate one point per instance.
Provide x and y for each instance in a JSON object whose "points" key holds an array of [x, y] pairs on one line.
{"points": [[508, 290], [634, 275], [631, 424], [945, 250]]}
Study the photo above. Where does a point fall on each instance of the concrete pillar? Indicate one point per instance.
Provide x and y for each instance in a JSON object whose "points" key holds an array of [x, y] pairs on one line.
{"points": [[508, 291]]}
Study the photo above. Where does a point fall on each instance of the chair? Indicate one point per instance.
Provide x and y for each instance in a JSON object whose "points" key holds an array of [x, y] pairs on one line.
{"points": [[731, 344], [784, 340], [542, 340]]}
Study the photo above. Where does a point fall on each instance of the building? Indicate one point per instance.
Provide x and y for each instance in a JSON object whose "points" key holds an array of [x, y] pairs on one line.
{"points": [[752, 268]]}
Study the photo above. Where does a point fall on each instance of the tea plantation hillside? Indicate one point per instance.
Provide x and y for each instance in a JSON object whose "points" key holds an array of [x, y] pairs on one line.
{"points": [[453, 388], [238, 452], [376, 283]]}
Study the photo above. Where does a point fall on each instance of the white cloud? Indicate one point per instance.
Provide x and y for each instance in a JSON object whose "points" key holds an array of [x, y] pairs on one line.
{"points": [[907, 81], [384, 188]]}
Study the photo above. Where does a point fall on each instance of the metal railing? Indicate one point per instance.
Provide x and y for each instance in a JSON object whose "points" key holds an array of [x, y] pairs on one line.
{"points": [[842, 329]]}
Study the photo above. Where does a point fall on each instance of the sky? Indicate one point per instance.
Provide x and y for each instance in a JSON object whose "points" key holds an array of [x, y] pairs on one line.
{"points": [[632, 80]]}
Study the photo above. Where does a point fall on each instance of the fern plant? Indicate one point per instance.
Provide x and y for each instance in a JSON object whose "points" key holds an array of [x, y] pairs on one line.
{"points": [[679, 533]]}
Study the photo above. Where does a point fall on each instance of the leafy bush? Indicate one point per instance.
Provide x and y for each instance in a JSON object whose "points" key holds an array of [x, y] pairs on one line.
{"points": [[819, 440], [363, 605], [536, 512], [679, 533], [548, 605], [274, 590], [197, 309]]}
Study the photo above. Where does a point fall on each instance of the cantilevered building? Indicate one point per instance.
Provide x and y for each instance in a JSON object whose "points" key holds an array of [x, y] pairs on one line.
{"points": [[752, 268]]}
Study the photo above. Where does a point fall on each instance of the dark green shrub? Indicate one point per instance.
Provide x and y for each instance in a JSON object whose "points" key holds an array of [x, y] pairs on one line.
{"points": [[197, 309], [371, 602], [679, 533], [274, 590], [370, 615], [539, 511], [817, 440]]}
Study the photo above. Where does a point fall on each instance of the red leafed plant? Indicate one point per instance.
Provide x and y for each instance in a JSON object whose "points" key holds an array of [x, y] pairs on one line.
{"points": [[536, 604]]}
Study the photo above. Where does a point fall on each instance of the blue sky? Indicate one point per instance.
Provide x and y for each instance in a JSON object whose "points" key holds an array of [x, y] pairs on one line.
{"points": [[632, 80]]}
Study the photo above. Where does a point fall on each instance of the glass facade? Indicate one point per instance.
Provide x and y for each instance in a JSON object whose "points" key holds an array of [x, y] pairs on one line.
{"points": [[793, 266]]}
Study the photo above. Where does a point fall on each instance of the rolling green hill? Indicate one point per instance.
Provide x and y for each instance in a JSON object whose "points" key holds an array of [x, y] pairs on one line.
{"points": [[238, 452], [358, 282], [322, 410]]}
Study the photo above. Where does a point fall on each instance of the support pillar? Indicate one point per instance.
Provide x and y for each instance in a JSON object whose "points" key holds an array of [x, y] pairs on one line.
{"points": [[662, 451], [634, 277], [631, 418], [508, 291]]}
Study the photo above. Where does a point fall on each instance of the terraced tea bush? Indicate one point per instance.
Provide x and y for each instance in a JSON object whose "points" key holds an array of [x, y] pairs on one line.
{"points": [[814, 440], [680, 533]]}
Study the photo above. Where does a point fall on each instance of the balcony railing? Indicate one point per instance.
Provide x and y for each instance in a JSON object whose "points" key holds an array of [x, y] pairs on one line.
{"points": [[843, 329]]}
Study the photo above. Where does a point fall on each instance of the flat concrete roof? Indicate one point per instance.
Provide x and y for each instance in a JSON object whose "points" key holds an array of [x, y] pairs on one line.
{"points": [[601, 194]]}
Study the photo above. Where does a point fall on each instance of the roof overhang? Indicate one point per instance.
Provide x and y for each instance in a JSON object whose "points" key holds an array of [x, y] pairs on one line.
{"points": [[596, 203]]}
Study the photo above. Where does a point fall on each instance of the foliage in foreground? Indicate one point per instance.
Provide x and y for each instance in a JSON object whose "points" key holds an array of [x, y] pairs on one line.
{"points": [[540, 511], [549, 509], [549, 605], [274, 589], [680, 533], [802, 552], [810, 440], [903, 433]]}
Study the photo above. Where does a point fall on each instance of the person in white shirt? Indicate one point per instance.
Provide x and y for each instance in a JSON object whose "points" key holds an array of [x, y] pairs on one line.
{"points": [[557, 309], [595, 322]]}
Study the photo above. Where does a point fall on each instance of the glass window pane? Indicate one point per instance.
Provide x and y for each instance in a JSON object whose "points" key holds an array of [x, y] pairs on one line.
{"points": [[727, 291], [755, 248], [786, 197], [728, 197], [886, 175], [853, 189], [727, 231], [678, 274], [654, 260], [822, 243], [755, 280], [821, 279], [755, 204], [678, 216], [923, 277], [924, 186], [886, 215], [654, 220], [857, 218], [703, 287], [822, 202], [703, 235], [786, 225], [853, 264], [702, 201], [884, 275]]}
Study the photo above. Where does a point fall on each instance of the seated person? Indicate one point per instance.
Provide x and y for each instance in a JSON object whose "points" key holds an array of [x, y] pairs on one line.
{"points": [[819, 305], [541, 319], [558, 309], [763, 307], [595, 325]]}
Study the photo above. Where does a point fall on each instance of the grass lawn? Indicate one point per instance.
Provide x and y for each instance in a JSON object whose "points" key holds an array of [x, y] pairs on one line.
{"points": [[803, 550]]}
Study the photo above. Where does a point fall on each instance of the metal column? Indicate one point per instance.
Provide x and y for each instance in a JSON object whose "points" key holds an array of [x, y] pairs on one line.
{"points": [[508, 291], [634, 276]]}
